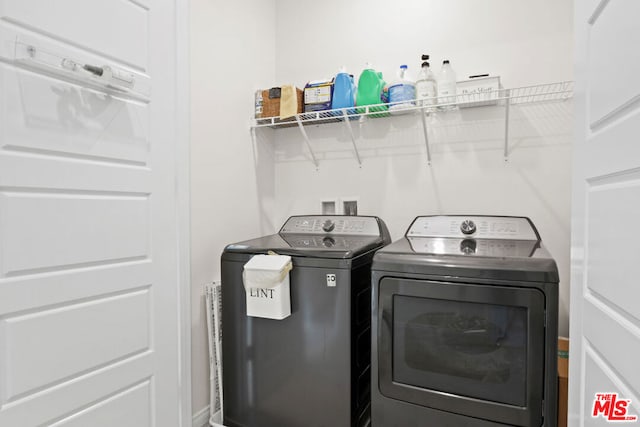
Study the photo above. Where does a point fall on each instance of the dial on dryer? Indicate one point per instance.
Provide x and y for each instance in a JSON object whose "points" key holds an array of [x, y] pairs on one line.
{"points": [[468, 227]]}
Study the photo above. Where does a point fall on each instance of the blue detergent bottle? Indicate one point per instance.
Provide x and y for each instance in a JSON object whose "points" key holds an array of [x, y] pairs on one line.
{"points": [[402, 92], [344, 92]]}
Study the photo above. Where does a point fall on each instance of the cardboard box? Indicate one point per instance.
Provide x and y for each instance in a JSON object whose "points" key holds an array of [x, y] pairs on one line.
{"points": [[563, 380], [318, 95], [268, 102]]}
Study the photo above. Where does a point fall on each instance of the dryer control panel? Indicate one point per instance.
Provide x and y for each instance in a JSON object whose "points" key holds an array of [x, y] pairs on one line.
{"points": [[334, 225], [476, 227], [497, 248]]}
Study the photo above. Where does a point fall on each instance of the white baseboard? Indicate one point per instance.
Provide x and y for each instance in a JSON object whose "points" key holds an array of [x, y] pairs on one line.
{"points": [[201, 418], [216, 420]]}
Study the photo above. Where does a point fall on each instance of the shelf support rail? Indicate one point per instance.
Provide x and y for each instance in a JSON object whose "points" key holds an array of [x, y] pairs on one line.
{"points": [[507, 104], [426, 135], [347, 123], [306, 139]]}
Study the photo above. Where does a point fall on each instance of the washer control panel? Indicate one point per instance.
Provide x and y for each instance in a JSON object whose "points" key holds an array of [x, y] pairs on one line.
{"points": [[477, 227], [326, 242], [334, 225]]}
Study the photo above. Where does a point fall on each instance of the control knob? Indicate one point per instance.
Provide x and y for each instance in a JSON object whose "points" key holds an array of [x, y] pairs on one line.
{"points": [[468, 246], [468, 227], [328, 226], [329, 242]]}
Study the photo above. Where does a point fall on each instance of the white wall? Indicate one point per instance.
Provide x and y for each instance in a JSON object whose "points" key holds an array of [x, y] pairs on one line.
{"points": [[524, 42], [232, 54]]}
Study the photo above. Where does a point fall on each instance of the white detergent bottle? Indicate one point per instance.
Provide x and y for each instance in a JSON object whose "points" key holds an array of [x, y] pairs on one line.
{"points": [[402, 92], [447, 87], [426, 86]]}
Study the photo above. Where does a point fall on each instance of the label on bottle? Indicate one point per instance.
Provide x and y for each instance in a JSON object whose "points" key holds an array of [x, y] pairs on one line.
{"points": [[402, 93], [447, 91], [426, 89]]}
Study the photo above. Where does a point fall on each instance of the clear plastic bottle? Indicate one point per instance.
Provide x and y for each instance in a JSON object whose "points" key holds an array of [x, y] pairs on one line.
{"points": [[447, 87], [402, 92], [426, 86]]}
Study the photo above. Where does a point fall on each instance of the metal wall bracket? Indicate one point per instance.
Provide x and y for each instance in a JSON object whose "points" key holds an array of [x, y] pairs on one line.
{"points": [[507, 104], [306, 139], [423, 115], [347, 123]]}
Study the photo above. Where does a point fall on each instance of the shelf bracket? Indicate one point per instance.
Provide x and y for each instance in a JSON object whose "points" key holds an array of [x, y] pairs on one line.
{"points": [[426, 135], [506, 123], [306, 139], [347, 123]]}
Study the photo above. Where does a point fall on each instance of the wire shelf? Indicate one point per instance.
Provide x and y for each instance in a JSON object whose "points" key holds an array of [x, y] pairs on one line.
{"points": [[522, 95], [504, 98], [541, 93]]}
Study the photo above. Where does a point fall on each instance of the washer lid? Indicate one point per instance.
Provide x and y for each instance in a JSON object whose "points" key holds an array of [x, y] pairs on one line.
{"points": [[308, 246], [491, 262]]}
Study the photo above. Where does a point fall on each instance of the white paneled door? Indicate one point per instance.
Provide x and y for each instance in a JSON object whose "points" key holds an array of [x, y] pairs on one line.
{"points": [[89, 292], [605, 287]]}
